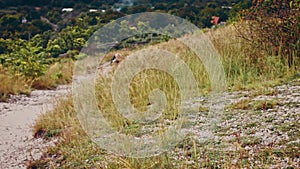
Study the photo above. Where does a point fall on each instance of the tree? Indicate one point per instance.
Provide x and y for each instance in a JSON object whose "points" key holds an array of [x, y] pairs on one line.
{"points": [[9, 23]]}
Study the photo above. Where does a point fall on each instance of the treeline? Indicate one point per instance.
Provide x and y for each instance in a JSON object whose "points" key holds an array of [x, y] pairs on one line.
{"points": [[22, 18], [60, 32], [55, 3]]}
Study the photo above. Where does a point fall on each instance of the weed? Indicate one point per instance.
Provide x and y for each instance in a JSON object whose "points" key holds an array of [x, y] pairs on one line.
{"points": [[243, 104], [203, 109], [264, 104]]}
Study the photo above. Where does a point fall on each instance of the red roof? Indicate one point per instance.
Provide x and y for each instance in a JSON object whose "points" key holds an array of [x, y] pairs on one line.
{"points": [[215, 20]]}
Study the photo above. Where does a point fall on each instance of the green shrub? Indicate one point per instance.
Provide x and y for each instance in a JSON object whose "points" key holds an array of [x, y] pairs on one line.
{"points": [[25, 59]]}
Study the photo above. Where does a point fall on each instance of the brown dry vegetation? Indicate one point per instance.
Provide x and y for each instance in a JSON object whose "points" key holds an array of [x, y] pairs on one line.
{"points": [[12, 84]]}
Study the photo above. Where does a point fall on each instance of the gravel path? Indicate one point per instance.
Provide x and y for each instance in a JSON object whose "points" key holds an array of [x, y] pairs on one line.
{"points": [[17, 145]]}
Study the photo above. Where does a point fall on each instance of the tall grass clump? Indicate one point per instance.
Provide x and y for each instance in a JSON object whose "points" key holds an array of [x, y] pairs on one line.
{"points": [[146, 81], [12, 84], [58, 73], [74, 148], [246, 66]]}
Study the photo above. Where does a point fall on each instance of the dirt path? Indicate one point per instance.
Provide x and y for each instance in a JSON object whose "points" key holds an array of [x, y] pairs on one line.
{"points": [[17, 145], [106, 68]]}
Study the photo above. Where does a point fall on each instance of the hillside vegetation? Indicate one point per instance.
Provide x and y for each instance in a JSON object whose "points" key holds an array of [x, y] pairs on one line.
{"points": [[75, 149], [36, 35], [260, 82], [259, 50]]}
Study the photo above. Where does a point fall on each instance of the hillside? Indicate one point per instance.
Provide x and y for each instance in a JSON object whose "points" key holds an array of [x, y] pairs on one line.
{"points": [[150, 90]]}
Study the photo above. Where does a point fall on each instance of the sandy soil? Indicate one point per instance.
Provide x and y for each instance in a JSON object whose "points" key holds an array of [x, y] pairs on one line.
{"points": [[17, 145]]}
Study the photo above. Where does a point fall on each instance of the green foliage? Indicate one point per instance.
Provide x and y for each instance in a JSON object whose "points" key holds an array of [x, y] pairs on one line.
{"points": [[88, 19], [10, 21], [56, 47], [26, 59], [54, 16], [70, 38]]}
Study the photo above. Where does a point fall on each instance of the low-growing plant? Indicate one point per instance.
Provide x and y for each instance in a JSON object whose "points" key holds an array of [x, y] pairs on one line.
{"points": [[264, 104], [243, 104], [58, 73]]}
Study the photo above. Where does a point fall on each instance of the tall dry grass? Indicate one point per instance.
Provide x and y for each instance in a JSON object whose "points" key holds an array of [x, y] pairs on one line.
{"points": [[12, 84], [59, 73], [246, 66]]}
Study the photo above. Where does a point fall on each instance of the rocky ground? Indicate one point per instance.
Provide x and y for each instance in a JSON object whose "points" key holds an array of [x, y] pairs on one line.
{"points": [[17, 145], [258, 128]]}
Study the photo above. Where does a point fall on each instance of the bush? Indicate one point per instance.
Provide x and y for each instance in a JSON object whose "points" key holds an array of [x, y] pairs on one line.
{"points": [[12, 84], [24, 59], [58, 73], [274, 27]]}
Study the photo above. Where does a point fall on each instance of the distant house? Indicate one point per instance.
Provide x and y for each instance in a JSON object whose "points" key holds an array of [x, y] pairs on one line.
{"points": [[24, 20], [93, 10], [214, 20], [67, 10], [37, 8], [226, 7], [103, 10], [118, 9]]}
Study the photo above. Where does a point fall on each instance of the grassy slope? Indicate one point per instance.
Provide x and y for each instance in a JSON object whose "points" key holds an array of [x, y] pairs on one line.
{"points": [[75, 149]]}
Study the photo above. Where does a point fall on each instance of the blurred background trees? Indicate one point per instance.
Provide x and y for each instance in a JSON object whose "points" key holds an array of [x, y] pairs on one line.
{"points": [[41, 30]]}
